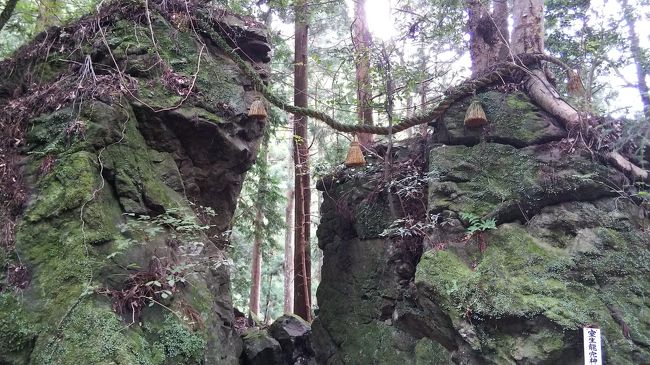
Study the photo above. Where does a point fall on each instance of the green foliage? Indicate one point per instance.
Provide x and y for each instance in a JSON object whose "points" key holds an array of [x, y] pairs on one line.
{"points": [[179, 342], [477, 224], [261, 193], [408, 228], [26, 22], [92, 335], [593, 38], [16, 331]]}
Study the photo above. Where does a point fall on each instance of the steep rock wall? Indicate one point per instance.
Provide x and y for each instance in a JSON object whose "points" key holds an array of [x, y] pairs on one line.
{"points": [[130, 140], [569, 247]]}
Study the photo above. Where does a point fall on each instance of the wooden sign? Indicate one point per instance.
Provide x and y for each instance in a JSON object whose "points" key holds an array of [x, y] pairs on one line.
{"points": [[593, 351]]}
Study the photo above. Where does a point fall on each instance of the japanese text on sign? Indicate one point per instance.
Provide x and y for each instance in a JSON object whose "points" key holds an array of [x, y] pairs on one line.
{"points": [[593, 352]]}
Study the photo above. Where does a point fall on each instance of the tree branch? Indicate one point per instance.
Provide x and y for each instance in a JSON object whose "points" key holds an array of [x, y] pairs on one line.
{"points": [[6, 12], [538, 88], [466, 88]]}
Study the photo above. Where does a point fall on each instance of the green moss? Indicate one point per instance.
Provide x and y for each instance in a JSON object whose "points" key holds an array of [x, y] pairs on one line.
{"points": [[520, 277], [512, 118], [428, 352], [94, 335], [255, 334], [70, 225], [137, 181], [372, 218], [103, 123], [538, 344], [194, 113], [49, 70], [4, 260], [180, 344], [485, 176], [17, 331], [47, 133], [67, 186], [450, 279], [59, 251], [179, 52], [513, 115], [156, 95], [526, 287], [372, 343], [492, 178]]}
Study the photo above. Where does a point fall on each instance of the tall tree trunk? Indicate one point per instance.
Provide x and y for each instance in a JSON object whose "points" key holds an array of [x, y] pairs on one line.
{"points": [[258, 234], [488, 34], [288, 254], [288, 236], [256, 265], [302, 257], [267, 302], [362, 41], [6, 12], [528, 26], [409, 111], [528, 37], [637, 56], [423, 88], [500, 50], [424, 128]]}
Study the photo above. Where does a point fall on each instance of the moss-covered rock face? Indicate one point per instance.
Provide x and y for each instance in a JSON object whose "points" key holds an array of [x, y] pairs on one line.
{"points": [[561, 243], [501, 181], [362, 277], [110, 262], [512, 119], [524, 299]]}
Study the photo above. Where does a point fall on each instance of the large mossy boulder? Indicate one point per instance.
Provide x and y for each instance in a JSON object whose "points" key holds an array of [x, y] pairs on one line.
{"points": [[126, 139], [509, 183], [363, 273], [261, 349], [294, 336], [526, 297], [512, 119], [286, 342], [560, 241]]}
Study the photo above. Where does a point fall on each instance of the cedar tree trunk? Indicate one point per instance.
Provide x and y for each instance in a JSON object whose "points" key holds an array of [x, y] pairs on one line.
{"points": [[288, 254], [637, 56], [6, 12], [528, 26], [256, 265], [362, 40], [488, 33], [302, 257]]}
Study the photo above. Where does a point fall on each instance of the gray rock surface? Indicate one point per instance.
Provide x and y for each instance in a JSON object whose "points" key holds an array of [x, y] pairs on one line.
{"points": [[569, 247], [116, 177], [294, 336], [261, 349]]}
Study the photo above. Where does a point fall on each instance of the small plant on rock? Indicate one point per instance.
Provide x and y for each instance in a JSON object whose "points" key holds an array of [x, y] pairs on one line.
{"points": [[155, 285], [477, 227]]}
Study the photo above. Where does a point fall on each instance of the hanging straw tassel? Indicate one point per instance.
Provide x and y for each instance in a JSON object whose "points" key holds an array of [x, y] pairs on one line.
{"points": [[475, 116], [355, 156], [257, 110]]}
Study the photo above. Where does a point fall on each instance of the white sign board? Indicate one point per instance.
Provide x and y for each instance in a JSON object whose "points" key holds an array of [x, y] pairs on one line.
{"points": [[593, 352]]}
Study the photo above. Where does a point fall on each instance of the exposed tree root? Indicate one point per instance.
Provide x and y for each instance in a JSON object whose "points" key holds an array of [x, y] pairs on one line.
{"points": [[544, 94]]}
